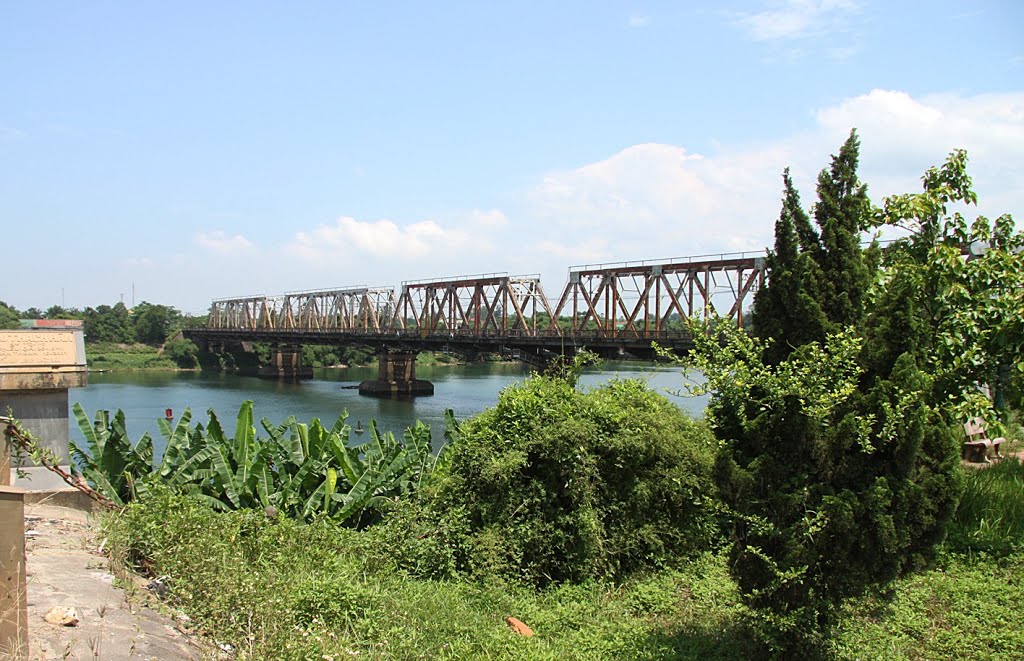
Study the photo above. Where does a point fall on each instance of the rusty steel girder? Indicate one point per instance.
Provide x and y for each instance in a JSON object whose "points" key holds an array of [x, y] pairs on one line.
{"points": [[629, 300], [492, 304], [360, 309], [648, 299]]}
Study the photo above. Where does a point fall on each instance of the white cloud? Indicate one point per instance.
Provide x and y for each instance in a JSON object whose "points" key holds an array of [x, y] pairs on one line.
{"points": [[796, 19], [221, 243], [590, 251], [490, 218], [658, 200], [382, 238], [639, 21]]}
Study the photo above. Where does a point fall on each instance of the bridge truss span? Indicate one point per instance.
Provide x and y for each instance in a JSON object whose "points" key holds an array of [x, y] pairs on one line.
{"points": [[611, 308], [650, 299], [486, 305], [359, 309]]}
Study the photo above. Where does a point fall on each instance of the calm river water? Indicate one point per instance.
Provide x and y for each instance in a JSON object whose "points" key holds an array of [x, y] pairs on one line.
{"points": [[466, 389]]}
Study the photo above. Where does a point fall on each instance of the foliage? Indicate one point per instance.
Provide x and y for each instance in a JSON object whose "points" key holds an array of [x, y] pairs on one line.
{"points": [[184, 353], [842, 210], [959, 315], [839, 460], [275, 589], [558, 485], [9, 317], [788, 308], [990, 516], [817, 281], [108, 324], [302, 471], [835, 487], [109, 461], [152, 323]]}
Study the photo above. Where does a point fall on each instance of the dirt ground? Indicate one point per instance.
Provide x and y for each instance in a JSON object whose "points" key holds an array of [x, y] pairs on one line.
{"points": [[66, 569]]}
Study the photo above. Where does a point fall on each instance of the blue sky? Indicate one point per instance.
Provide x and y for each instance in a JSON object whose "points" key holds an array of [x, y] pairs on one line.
{"points": [[195, 150]]}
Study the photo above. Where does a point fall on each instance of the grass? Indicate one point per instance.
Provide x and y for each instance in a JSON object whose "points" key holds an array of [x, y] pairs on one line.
{"points": [[116, 356], [275, 589], [968, 608], [990, 517]]}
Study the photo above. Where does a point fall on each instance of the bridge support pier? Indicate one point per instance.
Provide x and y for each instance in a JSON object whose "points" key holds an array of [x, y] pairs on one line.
{"points": [[285, 364], [396, 377]]}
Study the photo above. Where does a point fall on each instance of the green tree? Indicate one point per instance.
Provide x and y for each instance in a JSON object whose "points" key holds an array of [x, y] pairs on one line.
{"points": [[184, 353], [840, 460], [786, 309], [842, 211], [9, 317], [60, 312], [153, 323], [836, 486], [951, 294], [557, 485], [108, 324]]}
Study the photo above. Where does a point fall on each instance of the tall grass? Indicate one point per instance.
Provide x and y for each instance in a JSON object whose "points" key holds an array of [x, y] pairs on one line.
{"points": [[990, 517]]}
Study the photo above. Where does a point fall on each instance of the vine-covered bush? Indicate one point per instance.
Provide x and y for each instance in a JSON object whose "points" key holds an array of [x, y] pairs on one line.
{"points": [[557, 485]]}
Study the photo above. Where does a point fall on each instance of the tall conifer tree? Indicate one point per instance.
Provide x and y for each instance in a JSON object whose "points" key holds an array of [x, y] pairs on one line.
{"points": [[787, 310], [843, 208]]}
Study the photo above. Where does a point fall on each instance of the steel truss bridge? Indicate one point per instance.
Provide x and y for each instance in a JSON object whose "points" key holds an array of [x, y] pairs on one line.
{"points": [[612, 309]]}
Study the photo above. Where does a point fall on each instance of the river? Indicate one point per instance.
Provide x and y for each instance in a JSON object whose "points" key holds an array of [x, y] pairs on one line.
{"points": [[466, 389]]}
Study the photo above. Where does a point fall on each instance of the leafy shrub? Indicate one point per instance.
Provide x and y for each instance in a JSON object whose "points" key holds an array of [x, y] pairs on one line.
{"points": [[559, 485], [183, 352]]}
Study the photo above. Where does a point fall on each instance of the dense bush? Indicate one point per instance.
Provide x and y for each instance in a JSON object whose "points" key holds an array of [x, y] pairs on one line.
{"points": [[554, 484], [183, 352]]}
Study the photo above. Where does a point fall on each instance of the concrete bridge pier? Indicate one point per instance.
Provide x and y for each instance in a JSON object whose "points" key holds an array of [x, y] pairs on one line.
{"points": [[396, 377], [285, 364]]}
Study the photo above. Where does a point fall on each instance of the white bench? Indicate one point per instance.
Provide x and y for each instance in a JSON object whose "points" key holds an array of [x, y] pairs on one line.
{"points": [[977, 445]]}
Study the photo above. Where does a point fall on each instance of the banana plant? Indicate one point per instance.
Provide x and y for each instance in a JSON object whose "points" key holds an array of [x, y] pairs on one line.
{"points": [[380, 471], [109, 461], [239, 470], [305, 471]]}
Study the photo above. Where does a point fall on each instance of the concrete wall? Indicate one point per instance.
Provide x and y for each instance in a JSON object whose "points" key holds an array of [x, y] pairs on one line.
{"points": [[37, 367], [44, 413]]}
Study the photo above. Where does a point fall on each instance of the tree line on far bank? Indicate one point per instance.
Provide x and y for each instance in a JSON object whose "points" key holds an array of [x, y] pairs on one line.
{"points": [[146, 323]]}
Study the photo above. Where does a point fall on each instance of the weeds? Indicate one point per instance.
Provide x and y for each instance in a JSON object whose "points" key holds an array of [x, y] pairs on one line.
{"points": [[990, 517], [274, 588]]}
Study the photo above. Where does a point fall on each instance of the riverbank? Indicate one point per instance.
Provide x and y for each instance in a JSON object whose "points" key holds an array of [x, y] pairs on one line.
{"points": [[317, 590], [67, 571]]}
